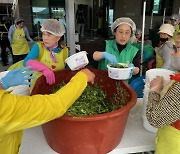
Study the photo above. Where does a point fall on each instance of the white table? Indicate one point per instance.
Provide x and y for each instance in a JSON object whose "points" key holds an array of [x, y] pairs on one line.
{"points": [[135, 138]]}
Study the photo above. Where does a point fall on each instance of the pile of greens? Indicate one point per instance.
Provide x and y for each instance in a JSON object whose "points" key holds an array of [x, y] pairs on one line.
{"points": [[119, 66], [93, 101]]}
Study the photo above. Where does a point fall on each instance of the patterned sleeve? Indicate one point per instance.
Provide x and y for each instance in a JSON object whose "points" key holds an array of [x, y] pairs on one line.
{"points": [[164, 111]]}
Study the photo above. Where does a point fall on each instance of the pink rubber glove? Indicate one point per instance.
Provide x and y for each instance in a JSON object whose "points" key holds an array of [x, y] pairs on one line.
{"points": [[38, 66]]}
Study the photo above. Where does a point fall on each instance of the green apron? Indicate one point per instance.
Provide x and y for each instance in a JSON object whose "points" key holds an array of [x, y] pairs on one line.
{"points": [[148, 50], [20, 45], [125, 56]]}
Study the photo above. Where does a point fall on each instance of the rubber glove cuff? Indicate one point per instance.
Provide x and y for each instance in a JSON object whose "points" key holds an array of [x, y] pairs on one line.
{"points": [[4, 85], [110, 57], [104, 55], [132, 70]]}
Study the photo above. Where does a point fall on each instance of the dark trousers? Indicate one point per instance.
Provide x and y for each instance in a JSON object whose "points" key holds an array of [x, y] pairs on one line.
{"points": [[4, 43], [18, 58]]}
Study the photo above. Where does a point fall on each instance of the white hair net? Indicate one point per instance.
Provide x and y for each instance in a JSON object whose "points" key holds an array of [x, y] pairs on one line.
{"points": [[167, 28], [18, 20], [123, 20], [53, 26], [138, 31], [175, 16]]}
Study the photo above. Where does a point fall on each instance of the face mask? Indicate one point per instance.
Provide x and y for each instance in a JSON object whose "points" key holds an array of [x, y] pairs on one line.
{"points": [[175, 62], [163, 40]]}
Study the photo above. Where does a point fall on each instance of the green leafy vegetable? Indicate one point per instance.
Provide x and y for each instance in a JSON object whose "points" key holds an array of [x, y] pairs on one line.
{"points": [[94, 101], [119, 66]]}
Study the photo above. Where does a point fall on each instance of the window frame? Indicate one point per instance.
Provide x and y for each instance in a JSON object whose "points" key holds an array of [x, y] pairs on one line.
{"points": [[168, 4]]}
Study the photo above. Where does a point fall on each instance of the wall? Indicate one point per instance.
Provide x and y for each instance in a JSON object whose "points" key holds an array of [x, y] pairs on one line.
{"points": [[130, 9], [84, 2], [25, 12], [89, 15], [122, 8], [176, 6], [6, 1], [40, 3]]}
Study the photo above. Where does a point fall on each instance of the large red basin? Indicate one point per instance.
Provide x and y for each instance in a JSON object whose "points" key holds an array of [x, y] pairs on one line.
{"points": [[96, 134]]}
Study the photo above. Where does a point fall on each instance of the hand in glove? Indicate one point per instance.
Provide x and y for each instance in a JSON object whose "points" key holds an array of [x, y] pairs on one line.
{"points": [[132, 70], [157, 84], [40, 67], [110, 57], [19, 76]]}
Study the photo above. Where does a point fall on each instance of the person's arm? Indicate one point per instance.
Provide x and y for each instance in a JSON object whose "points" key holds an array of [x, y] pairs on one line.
{"points": [[97, 54], [33, 54], [166, 55], [27, 34], [136, 62], [21, 112], [165, 111], [16, 77], [102, 54], [10, 33]]}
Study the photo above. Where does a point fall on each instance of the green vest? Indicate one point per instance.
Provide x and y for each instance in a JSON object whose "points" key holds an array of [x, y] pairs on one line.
{"points": [[125, 56], [148, 50]]}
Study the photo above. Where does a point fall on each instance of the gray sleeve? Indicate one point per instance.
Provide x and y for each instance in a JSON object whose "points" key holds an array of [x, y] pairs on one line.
{"points": [[166, 55], [27, 33], [10, 33]]}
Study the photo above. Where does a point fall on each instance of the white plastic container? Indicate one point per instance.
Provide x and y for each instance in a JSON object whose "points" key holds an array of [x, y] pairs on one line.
{"points": [[119, 73], [150, 75], [21, 90], [77, 60]]}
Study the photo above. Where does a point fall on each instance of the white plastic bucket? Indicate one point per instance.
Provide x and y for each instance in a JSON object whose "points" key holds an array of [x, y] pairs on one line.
{"points": [[119, 73], [150, 75], [20, 90], [77, 60]]}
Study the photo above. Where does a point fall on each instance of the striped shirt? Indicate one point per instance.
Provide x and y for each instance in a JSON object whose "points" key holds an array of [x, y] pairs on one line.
{"points": [[166, 110]]}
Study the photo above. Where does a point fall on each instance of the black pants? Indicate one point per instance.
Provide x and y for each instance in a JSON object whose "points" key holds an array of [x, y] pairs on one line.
{"points": [[4, 43], [18, 58]]}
